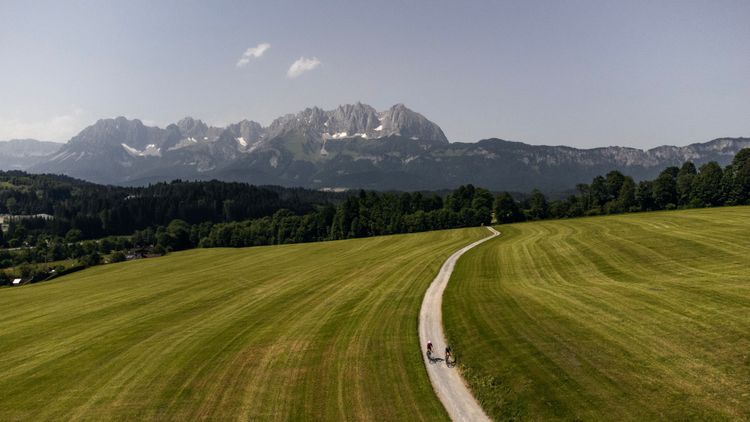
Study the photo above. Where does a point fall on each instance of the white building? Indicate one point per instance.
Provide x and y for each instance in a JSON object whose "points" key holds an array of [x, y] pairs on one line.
{"points": [[5, 219]]}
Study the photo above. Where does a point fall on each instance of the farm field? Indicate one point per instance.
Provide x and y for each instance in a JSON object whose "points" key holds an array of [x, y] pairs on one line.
{"points": [[633, 317], [321, 331]]}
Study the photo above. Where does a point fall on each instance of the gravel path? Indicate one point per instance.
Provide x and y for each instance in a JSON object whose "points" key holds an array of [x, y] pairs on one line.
{"points": [[447, 382]]}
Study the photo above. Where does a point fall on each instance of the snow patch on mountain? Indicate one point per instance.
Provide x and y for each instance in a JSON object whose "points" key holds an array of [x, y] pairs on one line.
{"points": [[132, 151], [150, 150]]}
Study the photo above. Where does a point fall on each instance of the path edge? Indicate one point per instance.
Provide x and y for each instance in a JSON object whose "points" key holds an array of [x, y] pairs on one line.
{"points": [[450, 387]]}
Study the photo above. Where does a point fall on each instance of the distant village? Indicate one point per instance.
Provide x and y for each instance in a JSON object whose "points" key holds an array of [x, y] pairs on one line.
{"points": [[48, 273]]}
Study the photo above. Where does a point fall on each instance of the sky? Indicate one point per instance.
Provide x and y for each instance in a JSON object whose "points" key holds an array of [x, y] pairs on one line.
{"points": [[579, 73]]}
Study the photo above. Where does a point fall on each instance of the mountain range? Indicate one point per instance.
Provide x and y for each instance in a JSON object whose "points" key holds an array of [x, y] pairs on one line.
{"points": [[352, 146], [20, 154]]}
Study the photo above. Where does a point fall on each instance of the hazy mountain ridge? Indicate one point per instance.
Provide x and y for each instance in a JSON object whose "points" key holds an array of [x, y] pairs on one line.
{"points": [[352, 146], [19, 154]]}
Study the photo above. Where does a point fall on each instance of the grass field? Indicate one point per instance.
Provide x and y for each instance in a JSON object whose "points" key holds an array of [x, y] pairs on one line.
{"points": [[636, 317], [323, 331]]}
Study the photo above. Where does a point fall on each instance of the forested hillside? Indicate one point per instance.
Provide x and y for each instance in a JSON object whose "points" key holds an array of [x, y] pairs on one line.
{"points": [[98, 210], [53, 219]]}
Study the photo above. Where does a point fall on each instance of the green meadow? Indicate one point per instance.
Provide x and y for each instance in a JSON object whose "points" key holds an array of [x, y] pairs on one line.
{"points": [[632, 317], [320, 331]]}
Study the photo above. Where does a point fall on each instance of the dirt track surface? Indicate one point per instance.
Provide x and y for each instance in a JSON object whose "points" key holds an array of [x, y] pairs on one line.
{"points": [[447, 382]]}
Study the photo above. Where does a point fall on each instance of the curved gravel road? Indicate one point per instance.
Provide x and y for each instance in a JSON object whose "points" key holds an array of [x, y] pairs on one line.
{"points": [[447, 382]]}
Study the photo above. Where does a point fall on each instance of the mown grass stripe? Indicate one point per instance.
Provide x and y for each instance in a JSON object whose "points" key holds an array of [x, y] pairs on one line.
{"points": [[632, 317], [321, 331]]}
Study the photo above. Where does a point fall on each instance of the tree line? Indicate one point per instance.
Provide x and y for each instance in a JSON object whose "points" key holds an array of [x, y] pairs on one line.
{"points": [[341, 216], [366, 214], [614, 193]]}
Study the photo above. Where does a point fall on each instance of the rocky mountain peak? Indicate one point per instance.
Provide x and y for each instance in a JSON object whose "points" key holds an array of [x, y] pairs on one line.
{"points": [[401, 120], [247, 134], [118, 124], [107, 132], [354, 118], [357, 121], [194, 128]]}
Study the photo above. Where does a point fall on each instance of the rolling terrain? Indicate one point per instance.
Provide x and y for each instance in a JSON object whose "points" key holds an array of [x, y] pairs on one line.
{"points": [[323, 331], [633, 317]]}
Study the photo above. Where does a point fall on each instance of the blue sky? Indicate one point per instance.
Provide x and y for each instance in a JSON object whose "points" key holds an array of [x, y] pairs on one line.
{"points": [[581, 73]]}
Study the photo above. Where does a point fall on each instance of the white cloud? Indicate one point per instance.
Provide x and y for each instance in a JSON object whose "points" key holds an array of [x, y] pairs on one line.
{"points": [[301, 66], [252, 53], [56, 128]]}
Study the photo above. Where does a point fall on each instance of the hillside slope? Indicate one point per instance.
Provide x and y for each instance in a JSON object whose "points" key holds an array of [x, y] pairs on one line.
{"points": [[634, 317], [322, 331]]}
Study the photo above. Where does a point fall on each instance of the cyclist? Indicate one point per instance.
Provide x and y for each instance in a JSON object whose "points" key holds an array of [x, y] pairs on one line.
{"points": [[429, 348], [447, 354]]}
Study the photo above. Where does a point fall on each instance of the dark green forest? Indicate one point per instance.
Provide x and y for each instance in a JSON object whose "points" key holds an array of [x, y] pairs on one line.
{"points": [[614, 193], [57, 218], [97, 210]]}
